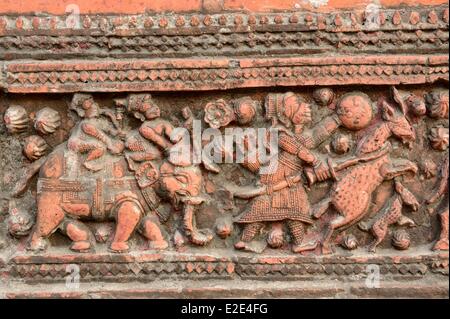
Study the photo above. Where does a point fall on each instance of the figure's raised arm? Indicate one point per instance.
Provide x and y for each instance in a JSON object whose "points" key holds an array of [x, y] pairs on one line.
{"points": [[152, 135]]}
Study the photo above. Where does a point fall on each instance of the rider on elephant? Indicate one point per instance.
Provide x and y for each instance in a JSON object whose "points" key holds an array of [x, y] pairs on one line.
{"points": [[94, 134], [149, 154]]}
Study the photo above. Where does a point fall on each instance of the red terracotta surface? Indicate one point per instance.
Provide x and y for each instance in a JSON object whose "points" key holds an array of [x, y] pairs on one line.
{"points": [[141, 6], [91, 173]]}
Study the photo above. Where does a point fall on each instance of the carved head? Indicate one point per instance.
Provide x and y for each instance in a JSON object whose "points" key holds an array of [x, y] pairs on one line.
{"points": [[397, 123], [34, 147], [437, 104], [439, 138], [323, 96], [47, 121], [181, 183], [245, 110], [84, 105], [141, 106], [20, 220], [416, 105], [16, 119], [288, 109]]}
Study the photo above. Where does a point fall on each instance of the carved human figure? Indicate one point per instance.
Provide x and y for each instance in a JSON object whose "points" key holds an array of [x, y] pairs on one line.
{"points": [[173, 177], [290, 203], [442, 190], [94, 134]]}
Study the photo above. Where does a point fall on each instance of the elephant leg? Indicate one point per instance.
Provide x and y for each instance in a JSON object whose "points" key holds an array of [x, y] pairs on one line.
{"points": [[150, 229], [50, 215], [128, 217], [79, 234], [196, 236]]}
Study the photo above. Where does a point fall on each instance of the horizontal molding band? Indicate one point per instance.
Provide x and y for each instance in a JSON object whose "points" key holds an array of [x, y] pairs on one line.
{"points": [[194, 265], [193, 23], [403, 30], [201, 74]]}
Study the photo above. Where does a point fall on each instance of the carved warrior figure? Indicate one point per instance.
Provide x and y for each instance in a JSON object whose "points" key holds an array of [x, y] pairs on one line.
{"points": [[355, 184], [148, 152], [442, 189], [282, 197]]}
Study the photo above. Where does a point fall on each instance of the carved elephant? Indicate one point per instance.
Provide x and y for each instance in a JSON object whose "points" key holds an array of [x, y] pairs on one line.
{"points": [[68, 194]]}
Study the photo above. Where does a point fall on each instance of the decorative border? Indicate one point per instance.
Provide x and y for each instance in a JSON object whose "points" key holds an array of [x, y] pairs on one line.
{"points": [[172, 52], [228, 34], [340, 21], [220, 73], [228, 44], [147, 266]]}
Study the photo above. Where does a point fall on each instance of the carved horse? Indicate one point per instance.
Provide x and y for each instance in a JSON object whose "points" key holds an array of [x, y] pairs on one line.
{"points": [[351, 194]]}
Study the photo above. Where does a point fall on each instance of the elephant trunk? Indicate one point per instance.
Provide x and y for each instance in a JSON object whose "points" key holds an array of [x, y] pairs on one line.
{"points": [[196, 236], [22, 184]]}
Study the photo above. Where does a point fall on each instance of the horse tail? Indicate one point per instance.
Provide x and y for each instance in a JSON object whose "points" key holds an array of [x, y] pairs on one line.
{"points": [[22, 184]]}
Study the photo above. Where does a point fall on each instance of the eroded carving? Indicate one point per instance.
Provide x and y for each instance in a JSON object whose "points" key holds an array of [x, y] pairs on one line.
{"points": [[114, 178]]}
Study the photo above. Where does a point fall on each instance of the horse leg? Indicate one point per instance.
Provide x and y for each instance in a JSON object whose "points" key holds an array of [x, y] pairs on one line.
{"points": [[150, 229], [321, 207], [50, 215], [379, 231], [128, 217], [79, 234], [329, 230]]}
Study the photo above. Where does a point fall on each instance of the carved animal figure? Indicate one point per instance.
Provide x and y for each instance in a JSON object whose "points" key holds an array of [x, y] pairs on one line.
{"points": [[153, 154], [68, 193], [391, 214], [351, 194]]}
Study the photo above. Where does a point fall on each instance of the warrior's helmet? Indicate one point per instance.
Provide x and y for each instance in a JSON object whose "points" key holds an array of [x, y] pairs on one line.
{"points": [[287, 108], [141, 106]]}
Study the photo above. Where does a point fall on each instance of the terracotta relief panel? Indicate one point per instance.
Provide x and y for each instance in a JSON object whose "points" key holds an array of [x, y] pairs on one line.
{"points": [[226, 145]]}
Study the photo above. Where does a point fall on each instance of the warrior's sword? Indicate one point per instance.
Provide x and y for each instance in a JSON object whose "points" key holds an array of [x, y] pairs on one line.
{"points": [[310, 174]]}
